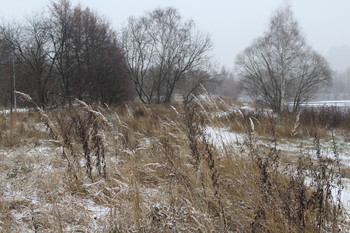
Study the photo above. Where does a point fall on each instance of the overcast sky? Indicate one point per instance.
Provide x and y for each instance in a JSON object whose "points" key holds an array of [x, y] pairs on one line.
{"points": [[232, 24]]}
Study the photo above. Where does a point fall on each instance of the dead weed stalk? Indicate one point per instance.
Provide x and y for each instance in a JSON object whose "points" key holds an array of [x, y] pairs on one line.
{"points": [[80, 134]]}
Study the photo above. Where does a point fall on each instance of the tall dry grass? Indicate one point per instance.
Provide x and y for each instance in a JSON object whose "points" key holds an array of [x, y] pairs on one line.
{"points": [[306, 123], [19, 129], [153, 168]]}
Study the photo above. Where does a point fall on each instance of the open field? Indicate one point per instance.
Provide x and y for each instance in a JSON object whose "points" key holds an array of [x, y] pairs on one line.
{"points": [[336, 103], [212, 165]]}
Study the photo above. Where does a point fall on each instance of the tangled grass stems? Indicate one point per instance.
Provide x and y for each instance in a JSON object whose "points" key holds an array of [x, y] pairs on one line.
{"points": [[164, 173]]}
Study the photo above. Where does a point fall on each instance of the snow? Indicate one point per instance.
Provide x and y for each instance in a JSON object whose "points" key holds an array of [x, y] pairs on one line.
{"points": [[337, 103], [221, 137], [18, 110], [97, 211], [345, 195]]}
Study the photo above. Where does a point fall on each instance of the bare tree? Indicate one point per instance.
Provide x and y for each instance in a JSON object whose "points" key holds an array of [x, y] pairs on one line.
{"points": [[60, 35], [194, 83], [6, 72], [315, 72], [160, 50], [89, 62], [280, 66], [100, 63], [31, 44], [70, 51]]}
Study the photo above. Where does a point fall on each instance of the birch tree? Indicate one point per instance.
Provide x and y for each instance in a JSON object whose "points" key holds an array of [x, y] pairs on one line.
{"points": [[280, 66]]}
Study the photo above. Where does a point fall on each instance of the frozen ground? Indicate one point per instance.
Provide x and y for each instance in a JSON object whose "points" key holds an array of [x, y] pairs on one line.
{"points": [[36, 159], [221, 137], [7, 111], [342, 104], [337, 103], [39, 198]]}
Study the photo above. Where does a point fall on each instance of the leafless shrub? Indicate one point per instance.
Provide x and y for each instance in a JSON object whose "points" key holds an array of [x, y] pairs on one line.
{"points": [[76, 126]]}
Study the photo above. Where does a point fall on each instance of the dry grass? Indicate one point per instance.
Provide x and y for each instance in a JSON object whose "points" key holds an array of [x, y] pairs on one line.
{"points": [[20, 129], [346, 171], [306, 123], [148, 168]]}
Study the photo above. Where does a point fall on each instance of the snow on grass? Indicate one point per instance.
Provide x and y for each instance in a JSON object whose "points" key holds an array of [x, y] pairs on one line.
{"points": [[307, 146], [18, 110], [345, 196], [221, 137], [97, 212], [31, 184]]}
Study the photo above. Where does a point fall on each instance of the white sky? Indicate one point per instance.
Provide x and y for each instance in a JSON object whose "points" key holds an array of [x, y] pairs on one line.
{"points": [[232, 24]]}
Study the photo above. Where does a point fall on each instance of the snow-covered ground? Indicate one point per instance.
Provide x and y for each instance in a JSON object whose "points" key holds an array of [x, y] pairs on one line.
{"points": [[93, 212], [342, 104], [221, 137], [339, 103], [8, 111]]}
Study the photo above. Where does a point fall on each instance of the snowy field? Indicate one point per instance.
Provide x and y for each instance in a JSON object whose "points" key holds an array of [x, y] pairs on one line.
{"points": [[222, 137], [92, 211], [8, 111], [336, 103]]}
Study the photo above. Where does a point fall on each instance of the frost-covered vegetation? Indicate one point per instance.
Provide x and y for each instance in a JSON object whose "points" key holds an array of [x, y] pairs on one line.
{"points": [[211, 165]]}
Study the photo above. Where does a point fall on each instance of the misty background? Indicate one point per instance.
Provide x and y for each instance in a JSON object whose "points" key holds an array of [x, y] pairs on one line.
{"points": [[233, 25]]}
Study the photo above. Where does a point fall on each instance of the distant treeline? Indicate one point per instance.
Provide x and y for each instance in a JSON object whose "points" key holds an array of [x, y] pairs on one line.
{"points": [[68, 52]]}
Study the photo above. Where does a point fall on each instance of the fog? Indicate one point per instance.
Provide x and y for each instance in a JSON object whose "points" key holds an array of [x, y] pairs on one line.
{"points": [[339, 58], [232, 25]]}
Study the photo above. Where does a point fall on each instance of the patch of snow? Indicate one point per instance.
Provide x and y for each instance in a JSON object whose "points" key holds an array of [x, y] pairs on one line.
{"points": [[248, 108], [153, 164], [336, 103], [41, 127], [18, 110], [39, 150], [220, 137], [98, 211], [345, 195]]}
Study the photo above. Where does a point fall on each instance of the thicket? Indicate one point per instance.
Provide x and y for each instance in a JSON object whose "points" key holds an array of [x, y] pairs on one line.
{"points": [[63, 52]]}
